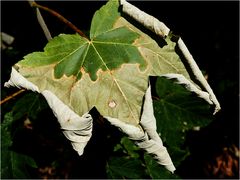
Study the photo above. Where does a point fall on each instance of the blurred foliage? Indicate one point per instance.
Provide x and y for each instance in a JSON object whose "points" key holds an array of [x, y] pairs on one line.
{"points": [[13, 165]]}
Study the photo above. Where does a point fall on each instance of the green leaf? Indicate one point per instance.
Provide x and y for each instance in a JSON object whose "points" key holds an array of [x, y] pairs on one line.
{"points": [[113, 67], [156, 171], [177, 111], [6, 140], [124, 167], [13, 164], [73, 55], [29, 105], [104, 18], [130, 147], [127, 147]]}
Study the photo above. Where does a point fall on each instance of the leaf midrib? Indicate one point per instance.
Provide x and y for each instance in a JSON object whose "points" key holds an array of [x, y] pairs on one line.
{"points": [[115, 80], [163, 58], [179, 108], [113, 43], [72, 52]]}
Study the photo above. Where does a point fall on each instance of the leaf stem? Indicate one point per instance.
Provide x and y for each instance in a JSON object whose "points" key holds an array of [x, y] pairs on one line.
{"points": [[12, 96], [43, 25], [42, 22], [60, 17]]}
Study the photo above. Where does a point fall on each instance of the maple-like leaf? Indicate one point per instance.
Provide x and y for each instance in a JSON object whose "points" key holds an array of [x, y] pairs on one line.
{"points": [[110, 71]]}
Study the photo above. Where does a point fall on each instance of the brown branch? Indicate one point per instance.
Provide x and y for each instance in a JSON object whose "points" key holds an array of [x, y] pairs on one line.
{"points": [[12, 96], [59, 16]]}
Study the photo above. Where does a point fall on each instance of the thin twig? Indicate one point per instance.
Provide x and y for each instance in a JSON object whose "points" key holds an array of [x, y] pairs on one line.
{"points": [[59, 16], [42, 22], [12, 96], [43, 25]]}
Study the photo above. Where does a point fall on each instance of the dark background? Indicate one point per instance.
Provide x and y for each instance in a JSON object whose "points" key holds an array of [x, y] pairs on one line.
{"points": [[210, 30]]}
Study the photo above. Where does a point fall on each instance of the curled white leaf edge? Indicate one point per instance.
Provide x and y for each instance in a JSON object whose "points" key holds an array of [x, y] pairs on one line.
{"points": [[78, 129], [146, 136], [163, 31]]}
